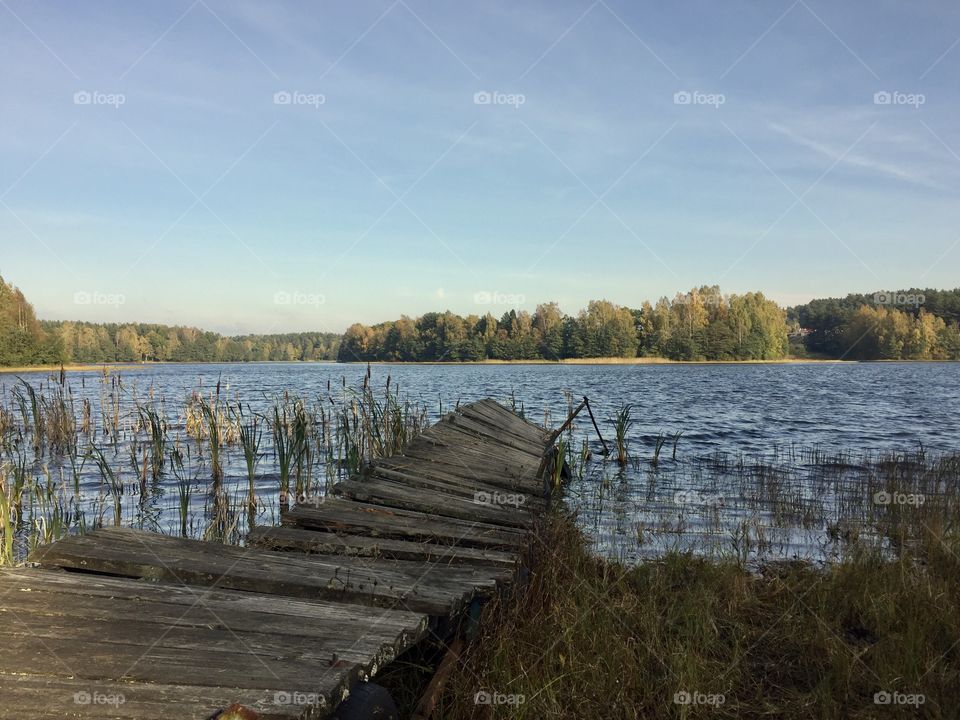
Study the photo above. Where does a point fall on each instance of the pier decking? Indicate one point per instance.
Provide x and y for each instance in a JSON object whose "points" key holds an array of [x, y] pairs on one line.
{"points": [[132, 625]]}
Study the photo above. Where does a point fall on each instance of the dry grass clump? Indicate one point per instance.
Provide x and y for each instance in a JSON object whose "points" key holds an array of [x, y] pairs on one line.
{"points": [[587, 638]]}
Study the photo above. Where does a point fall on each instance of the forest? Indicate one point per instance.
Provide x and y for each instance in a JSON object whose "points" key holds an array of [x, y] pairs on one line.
{"points": [[24, 340], [702, 324], [914, 324]]}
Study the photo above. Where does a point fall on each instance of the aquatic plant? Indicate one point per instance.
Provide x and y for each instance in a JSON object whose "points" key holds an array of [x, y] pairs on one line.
{"points": [[621, 426], [157, 428], [250, 433], [7, 505]]}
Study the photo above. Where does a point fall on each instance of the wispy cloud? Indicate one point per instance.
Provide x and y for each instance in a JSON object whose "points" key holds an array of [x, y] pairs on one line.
{"points": [[864, 162]]}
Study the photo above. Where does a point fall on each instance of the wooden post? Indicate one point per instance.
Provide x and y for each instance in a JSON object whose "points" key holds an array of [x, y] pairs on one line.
{"points": [[556, 433], [430, 696], [587, 403]]}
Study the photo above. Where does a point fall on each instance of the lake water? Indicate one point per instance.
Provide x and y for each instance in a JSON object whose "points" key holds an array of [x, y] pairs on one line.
{"points": [[778, 412]]}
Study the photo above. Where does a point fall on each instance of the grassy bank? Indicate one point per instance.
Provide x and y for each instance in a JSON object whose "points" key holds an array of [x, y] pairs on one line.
{"points": [[687, 637]]}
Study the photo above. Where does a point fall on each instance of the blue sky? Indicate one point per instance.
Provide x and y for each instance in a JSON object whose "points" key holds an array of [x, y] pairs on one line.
{"points": [[437, 155]]}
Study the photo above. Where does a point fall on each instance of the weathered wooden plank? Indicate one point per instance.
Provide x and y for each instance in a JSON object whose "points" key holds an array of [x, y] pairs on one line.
{"points": [[183, 636], [494, 436], [498, 416], [496, 508], [325, 543], [505, 425], [306, 616], [423, 479], [150, 659], [44, 696], [391, 584], [469, 462], [457, 434], [415, 472], [228, 624], [119, 623], [356, 518]]}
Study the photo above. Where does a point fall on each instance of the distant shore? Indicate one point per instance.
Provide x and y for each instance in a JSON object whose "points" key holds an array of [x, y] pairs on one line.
{"points": [[604, 361], [100, 367]]}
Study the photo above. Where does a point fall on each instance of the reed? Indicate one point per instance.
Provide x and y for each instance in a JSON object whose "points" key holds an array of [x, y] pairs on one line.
{"points": [[7, 505], [184, 484], [157, 428], [59, 421], [114, 484], [212, 422], [302, 432], [124, 446], [658, 444], [622, 423], [55, 512], [283, 448], [250, 433], [31, 414]]}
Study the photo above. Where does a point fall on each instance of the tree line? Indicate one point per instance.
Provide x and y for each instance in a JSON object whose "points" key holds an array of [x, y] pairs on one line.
{"points": [[914, 324], [24, 340], [702, 324]]}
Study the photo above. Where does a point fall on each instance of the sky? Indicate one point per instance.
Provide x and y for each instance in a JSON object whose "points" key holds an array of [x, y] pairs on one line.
{"points": [[271, 167]]}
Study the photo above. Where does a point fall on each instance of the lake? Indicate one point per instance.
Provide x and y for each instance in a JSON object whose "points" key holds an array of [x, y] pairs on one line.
{"points": [[736, 421]]}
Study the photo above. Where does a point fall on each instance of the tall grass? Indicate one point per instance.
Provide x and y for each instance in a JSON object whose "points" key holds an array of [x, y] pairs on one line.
{"points": [[587, 638], [112, 481], [284, 448], [250, 433], [157, 428], [6, 520], [622, 423]]}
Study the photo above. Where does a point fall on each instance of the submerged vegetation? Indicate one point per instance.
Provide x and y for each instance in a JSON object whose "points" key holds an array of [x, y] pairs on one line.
{"points": [[211, 466]]}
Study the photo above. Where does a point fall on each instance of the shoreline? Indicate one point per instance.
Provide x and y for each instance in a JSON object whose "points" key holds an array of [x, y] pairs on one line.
{"points": [[101, 367]]}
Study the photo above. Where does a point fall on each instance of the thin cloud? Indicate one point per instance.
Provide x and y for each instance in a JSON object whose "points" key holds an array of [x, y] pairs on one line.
{"points": [[860, 161]]}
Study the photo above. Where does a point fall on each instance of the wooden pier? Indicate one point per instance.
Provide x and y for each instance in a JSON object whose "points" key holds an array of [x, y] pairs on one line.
{"points": [[132, 625]]}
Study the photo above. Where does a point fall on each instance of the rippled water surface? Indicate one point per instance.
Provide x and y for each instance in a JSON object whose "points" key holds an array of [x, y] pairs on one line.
{"points": [[776, 412]]}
